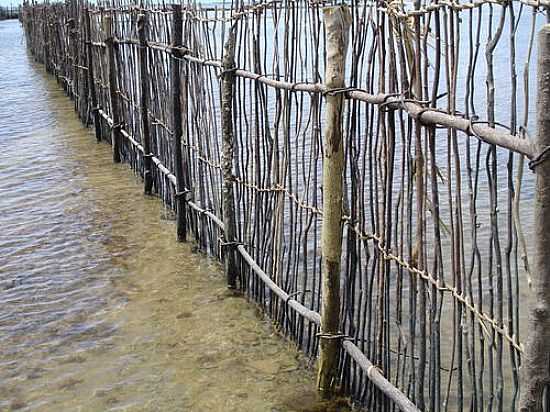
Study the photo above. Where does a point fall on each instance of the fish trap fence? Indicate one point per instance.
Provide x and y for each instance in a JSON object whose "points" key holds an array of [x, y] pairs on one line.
{"points": [[365, 161]]}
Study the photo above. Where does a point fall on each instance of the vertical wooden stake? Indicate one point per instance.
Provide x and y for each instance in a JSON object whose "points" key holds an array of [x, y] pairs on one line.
{"points": [[228, 197], [337, 22], [46, 43], [535, 373], [144, 101], [91, 80], [116, 137], [177, 127], [73, 54]]}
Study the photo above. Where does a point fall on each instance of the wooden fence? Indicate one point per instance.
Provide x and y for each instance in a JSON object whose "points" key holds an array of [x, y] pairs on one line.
{"points": [[9, 12], [363, 162]]}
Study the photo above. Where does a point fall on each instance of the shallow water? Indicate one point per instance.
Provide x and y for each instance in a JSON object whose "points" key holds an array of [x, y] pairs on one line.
{"points": [[101, 308]]}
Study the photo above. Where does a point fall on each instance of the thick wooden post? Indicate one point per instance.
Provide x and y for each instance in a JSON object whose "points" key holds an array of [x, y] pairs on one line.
{"points": [[116, 136], [46, 43], [144, 101], [228, 197], [535, 368], [73, 59], [178, 107], [337, 21], [91, 80]]}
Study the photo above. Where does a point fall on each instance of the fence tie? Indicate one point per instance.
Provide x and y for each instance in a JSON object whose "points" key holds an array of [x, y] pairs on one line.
{"points": [[227, 71], [539, 158], [204, 211], [117, 126], [338, 90], [474, 120], [148, 156], [333, 336], [184, 194], [384, 106], [179, 52], [232, 245]]}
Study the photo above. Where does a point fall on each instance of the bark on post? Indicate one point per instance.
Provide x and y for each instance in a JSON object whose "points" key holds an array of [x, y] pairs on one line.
{"points": [[73, 61], [144, 112], [535, 368], [46, 43], [91, 84], [228, 197], [337, 22], [116, 136], [178, 107]]}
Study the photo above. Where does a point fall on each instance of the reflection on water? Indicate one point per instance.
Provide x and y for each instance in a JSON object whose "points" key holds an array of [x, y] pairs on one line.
{"points": [[101, 308]]}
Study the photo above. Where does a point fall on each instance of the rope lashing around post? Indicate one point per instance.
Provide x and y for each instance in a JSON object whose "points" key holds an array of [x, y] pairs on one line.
{"points": [[400, 104], [185, 194], [203, 212], [333, 336], [539, 158], [227, 71], [339, 90], [118, 126], [232, 245], [384, 106], [179, 51]]}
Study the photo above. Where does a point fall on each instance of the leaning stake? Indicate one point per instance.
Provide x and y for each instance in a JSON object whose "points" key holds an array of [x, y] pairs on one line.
{"points": [[116, 136], [228, 79], [337, 22], [535, 366]]}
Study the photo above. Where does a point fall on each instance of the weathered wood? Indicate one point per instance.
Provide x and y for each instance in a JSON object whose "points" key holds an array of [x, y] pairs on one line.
{"points": [[228, 197], [116, 137], [143, 107], [91, 79], [73, 59], [337, 22], [535, 372], [177, 127], [45, 33]]}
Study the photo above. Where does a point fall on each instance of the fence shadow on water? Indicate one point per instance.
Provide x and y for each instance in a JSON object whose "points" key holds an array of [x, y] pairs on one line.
{"points": [[436, 121]]}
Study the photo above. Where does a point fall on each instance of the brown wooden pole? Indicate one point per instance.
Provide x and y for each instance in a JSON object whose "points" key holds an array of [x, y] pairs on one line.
{"points": [[337, 22], [46, 43], [73, 53], [177, 97], [535, 368], [116, 136], [228, 197], [91, 79], [144, 101]]}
